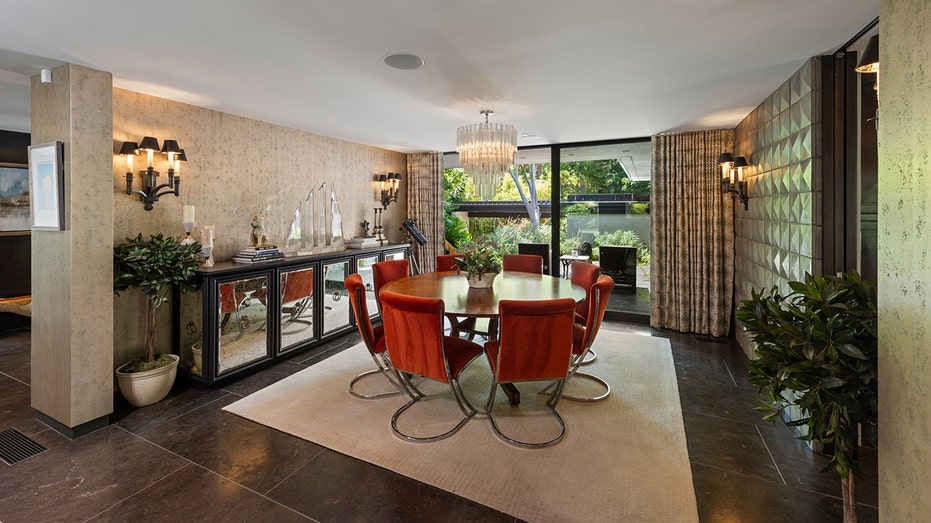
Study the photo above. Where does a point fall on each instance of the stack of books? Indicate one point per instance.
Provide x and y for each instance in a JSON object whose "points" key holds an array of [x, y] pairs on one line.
{"points": [[258, 254], [362, 242]]}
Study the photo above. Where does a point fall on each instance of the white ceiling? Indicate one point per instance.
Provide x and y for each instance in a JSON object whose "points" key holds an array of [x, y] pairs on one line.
{"points": [[560, 71]]}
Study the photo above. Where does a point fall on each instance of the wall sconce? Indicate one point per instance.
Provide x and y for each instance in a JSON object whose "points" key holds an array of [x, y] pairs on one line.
{"points": [[869, 63], [151, 191], [732, 177], [389, 194]]}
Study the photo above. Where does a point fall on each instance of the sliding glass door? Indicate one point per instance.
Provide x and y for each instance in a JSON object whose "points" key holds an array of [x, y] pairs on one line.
{"points": [[605, 218]]}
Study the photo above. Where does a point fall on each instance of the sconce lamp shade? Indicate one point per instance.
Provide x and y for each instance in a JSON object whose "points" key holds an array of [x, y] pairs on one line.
{"points": [[128, 148], [725, 158], [869, 60], [149, 144], [170, 146], [382, 178], [740, 161], [181, 156]]}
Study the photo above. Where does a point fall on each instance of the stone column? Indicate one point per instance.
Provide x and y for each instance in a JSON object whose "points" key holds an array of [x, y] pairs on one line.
{"points": [[72, 270]]}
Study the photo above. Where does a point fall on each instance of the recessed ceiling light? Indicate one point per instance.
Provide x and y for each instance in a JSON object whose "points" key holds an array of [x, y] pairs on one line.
{"points": [[403, 61]]}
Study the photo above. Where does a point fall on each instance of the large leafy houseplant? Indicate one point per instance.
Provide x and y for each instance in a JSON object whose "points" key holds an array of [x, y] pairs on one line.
{"points": [[154, 266], [816, 348]]}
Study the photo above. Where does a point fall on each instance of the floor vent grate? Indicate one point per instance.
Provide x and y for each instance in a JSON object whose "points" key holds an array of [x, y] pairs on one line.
{"points": [[16, 446]]}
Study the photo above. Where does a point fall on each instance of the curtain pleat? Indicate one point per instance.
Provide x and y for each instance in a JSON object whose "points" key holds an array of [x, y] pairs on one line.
{"points": [[691, 234], [425, 204]]}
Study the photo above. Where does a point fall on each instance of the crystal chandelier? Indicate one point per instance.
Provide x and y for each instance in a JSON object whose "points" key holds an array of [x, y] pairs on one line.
{"points": [[486, 151]]}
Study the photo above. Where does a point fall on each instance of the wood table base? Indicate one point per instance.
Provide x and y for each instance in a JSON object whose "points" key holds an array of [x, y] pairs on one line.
{"points": [[512, 393]]}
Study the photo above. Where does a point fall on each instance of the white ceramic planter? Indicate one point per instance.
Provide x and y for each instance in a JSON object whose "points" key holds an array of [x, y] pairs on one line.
{"points": [[198, 355], [482, 281], [148, 387]]}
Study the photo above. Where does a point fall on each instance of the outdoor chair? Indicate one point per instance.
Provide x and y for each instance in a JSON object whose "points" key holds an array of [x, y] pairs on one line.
{"points": [[620, 263], [417, 347], [535, 344]]}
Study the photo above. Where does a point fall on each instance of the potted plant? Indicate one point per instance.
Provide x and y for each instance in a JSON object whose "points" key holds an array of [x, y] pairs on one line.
{"points": [[154, 266], [816, 348], [480, 262]]}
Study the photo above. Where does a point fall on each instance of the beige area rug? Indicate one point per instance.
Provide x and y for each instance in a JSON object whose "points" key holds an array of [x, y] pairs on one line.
{"points": [[623, 459]]}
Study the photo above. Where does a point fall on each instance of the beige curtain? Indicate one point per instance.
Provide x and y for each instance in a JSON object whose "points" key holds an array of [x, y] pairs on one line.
{"points": [[425, 204], [691, 234]]}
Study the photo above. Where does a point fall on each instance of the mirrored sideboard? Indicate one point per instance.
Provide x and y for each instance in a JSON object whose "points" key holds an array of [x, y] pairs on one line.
{"points": [[244, 316]]}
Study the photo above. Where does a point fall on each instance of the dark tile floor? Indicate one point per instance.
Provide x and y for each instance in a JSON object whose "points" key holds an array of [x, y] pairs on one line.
{"points": [[184, 459]]}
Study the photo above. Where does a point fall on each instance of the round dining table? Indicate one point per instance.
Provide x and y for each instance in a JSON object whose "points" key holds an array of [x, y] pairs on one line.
{"points": [[460, 300], [464, 301]]}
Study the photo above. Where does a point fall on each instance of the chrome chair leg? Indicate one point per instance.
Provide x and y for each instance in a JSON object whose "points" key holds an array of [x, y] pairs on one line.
{"points": [[582, 375], [551, 403], [416, 396], [384, 369]]}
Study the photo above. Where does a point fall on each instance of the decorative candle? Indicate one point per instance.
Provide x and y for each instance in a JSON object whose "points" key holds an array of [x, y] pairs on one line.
{"points": [[206, 236], [188, 214]]}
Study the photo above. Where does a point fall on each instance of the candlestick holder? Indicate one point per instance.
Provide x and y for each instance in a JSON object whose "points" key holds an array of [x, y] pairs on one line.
{"points": [[207, 251], [378, 229], [188, 227]]}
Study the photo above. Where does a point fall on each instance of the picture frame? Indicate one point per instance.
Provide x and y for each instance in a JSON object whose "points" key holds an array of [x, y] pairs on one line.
{"points": [[14, 199], [46, 186]]}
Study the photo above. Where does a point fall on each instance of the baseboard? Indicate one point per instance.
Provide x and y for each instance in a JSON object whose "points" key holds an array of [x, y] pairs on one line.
{"points": [[74, 432]]}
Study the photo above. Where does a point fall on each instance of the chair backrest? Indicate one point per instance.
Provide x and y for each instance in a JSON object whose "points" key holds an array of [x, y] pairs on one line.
{"points": [[414, 334], [388, 271], [523, 263], [600, 293], [540, 249], [536, 339], [584, 275], [297, 284], [356, 290], [446, 262]]}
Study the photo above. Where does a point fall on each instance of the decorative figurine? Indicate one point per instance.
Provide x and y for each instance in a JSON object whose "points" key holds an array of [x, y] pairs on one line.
{"points": [[258, 237], [365, 227]]}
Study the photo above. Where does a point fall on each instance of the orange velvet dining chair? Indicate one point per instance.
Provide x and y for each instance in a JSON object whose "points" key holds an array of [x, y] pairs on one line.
{"points": [[447, 262], [417, 347], [386, 272], [584, 336], [584, 275], [523, 263], [372, 338], [535, 344]]}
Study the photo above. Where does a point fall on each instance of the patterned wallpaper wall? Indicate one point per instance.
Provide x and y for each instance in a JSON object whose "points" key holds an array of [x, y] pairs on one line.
{"points": [[237, 167], [778, 239]]}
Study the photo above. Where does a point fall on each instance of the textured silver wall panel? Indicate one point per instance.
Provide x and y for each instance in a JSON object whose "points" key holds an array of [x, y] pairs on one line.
{"points": [[778, 238]]}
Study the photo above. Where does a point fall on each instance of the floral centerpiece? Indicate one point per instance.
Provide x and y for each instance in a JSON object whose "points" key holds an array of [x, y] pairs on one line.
{"points": [[480, 262]]}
